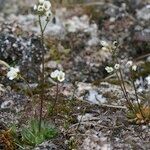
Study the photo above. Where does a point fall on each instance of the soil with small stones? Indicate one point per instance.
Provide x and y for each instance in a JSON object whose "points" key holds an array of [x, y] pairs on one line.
{"points": [[82, 124]]}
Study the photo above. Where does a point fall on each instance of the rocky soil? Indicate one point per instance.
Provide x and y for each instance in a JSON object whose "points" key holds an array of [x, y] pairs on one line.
{"points": [[92, 112]]}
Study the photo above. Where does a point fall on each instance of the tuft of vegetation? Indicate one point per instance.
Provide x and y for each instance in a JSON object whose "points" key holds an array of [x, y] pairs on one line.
{"points": [[31, 135], [138, 113], [137, 117]]}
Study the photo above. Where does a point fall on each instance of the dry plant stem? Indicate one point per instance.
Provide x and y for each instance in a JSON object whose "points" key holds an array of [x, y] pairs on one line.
{"points": [[137, 99], [42, 80]]}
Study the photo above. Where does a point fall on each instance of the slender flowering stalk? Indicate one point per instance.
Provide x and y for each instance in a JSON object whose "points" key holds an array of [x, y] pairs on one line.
{"points": [[42, 75], [117, 69], [43, 9], [119, 73]]}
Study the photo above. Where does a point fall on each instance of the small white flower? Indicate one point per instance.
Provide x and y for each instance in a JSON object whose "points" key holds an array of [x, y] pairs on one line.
{"points": [[41, 1], [13, 73], [134, 67], [47, 5], [55, 74], [43, 8], [117, 66], [104, 43], [109, 69], [105, 49], [48, 13], [35, 7], [129, 63], [61, 76], [40, 8], [115, 43]]}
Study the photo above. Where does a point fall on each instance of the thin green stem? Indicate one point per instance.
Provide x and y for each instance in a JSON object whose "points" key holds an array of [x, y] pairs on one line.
{"points": [[45, 26], [124, 91], [56, 96], [123, 84], [42, 80]]}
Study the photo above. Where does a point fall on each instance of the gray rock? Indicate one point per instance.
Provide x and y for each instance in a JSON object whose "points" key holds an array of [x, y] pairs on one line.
{"points": [[142, 36], [48, 145], [112, 10], [25, 51], [144, 13]]}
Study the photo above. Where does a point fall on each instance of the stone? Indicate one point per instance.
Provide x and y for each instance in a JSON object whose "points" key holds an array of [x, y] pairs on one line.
{"points": [[144, 13], [48, 145]]}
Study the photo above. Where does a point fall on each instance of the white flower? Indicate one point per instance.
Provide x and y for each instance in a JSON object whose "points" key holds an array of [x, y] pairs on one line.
{"points": [[105, 49], [48, 13], [109, 69], [61, 76], [117, 66], [134, 67], [129, 63], [13, 73], [47, 5], [43, 8], [35, 7], [104, 43], [40, 8], [55, 74], [115, 43], [41, 1]]}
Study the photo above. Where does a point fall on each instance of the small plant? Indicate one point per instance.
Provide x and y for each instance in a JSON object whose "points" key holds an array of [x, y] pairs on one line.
{"points": [[42, 9], [31, 135], [137, 112]]}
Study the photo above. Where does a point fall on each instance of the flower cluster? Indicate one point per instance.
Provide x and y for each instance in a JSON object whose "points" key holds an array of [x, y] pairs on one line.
{"points": [[111, 69], [59, 75], [43, 8], [13, 73], [108, 46], [129, 64]]}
